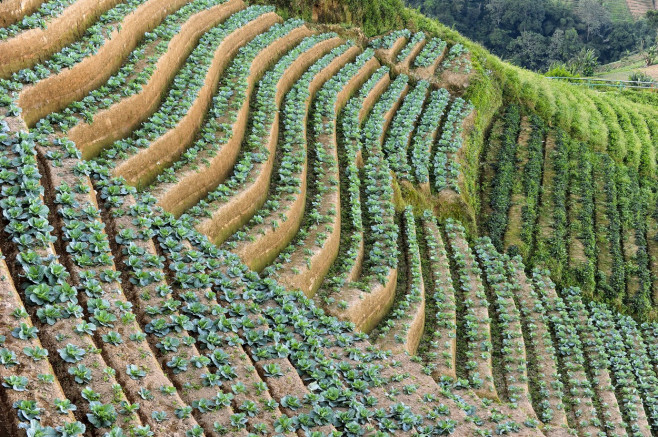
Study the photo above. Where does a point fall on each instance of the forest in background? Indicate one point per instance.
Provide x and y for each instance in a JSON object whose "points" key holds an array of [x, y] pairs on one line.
{"points": [[538, 34]]}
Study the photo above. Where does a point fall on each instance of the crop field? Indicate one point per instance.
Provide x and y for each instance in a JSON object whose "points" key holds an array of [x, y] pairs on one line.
{"points": [[207, 228], [587, 213]]}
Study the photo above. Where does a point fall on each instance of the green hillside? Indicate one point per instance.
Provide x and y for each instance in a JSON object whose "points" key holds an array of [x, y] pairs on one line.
{"points": [[330, 218]]}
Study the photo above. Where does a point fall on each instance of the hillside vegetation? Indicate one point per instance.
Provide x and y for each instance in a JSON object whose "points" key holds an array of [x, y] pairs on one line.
{"points": [[219, 219], [540, 33]]}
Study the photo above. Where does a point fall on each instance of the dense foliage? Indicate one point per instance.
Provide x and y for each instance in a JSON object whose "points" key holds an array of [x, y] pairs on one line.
{"points": [[535, 34]]}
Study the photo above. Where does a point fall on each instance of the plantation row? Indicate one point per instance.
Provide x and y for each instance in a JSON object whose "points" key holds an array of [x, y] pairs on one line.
{"points": [[421, 57], [202, 221], [561, 204]]}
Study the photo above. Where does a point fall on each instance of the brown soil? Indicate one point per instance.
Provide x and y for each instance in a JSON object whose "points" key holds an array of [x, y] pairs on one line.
{"points": [[388, 117], [373, 96], [196, 180], [456, 82], [140, 169], [12, 11], [58, 90], [388, 56], [368, 103], [119, 356], [309, 278], [28, 48], [639, 8], [288, 384], [40, 392], [365, 309], [516, 377], [445, 333], [48, 336], [413, 329], [480, 309], [227, 217], [540, 346], [405, 65], [602, 385], [268, 241], [119, 120], [428, 73], [585, 404]]}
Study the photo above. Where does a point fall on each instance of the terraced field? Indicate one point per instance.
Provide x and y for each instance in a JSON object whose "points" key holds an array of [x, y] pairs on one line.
{"points": [[203, 233], [587, 214]]}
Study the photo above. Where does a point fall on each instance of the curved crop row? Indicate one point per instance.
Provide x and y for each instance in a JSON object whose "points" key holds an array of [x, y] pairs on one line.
{"points": [[349, 261], [208, 161], [416, 39], [218, 212], [306, 261], [426, 133], [156, 143], [401, 130], [403, 328], [430, 54], [130, 80], [446, 169]]}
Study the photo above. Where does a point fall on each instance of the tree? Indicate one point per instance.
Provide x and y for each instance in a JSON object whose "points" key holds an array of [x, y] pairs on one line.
{"points": [[564, 45], [585, 62], [529, 50], [593, 15]]}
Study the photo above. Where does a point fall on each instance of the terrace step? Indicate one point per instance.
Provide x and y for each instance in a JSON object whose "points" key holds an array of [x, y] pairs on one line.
{"points": [[140, 168], [404, 328], [60, 175], [366, 308], [402, 128], [228, 215], [435, 48], [413, 48], [598, 363], [28, 48], [239, 358], [543, 368], [621, 371], [158, 293], [197, 177], [58, 90], [423, 140], [472, 313], [512, 355], [303, 270], [12, 11], [388, 54], [349, 263], [636, 349], [120, 119], [440, 339], [268, 241], [583, 413], [639, 8], [41, 392], [85, 367]]}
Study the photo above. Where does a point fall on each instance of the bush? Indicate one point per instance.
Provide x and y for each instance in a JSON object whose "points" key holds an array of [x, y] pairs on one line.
{"points": [[560, 69], [638, 77]]}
